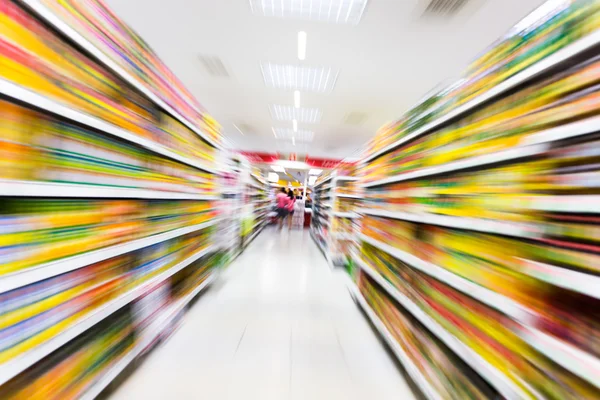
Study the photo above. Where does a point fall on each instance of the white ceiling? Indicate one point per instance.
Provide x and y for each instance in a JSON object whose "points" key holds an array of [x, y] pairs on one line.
{"points": [[387, 62]]}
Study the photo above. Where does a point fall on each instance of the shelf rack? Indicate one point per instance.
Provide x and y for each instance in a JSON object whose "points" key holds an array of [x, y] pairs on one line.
{"points": [[42, 190], [321, 226], [537, 141]]}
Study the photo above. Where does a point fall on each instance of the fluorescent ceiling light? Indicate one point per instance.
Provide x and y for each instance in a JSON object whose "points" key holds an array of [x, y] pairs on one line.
{"points": [[312, 180], [315, 171], [289, 113], [333, 11], [273, 177], [297, 98], [278, 168], [294, 141], [274, 133], [295, 125], [239, 130], [297, 77], [303, 135], [301, 45]]}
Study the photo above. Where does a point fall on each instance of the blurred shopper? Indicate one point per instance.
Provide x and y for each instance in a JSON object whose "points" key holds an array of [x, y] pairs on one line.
{"points": [[290, 207], [282, 207]]}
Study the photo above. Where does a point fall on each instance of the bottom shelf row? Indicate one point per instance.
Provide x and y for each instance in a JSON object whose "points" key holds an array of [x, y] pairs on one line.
{"points": [[452, 350], [81, 361]]}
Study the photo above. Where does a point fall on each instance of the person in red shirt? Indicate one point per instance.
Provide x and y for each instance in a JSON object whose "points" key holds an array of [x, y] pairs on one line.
{"points": [[290, 207], [282, 206]]}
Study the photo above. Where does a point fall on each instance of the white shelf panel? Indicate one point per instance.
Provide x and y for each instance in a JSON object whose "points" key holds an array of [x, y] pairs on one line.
{"points": [[47, 15], [345, 178], [120, 366], [260, 179], [48, 270], [12, 368], [566, 204], [345, 215], [573, 359], [19, 93], [515, 229], [348, 196], [552, 60], [495, 377], [563, 277], [426, 388], [74, 190]]}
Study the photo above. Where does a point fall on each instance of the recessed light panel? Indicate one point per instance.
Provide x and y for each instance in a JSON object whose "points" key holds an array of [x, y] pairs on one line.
{"points": [[333, 11], [297, 77], [289, 113], [302, 135]]}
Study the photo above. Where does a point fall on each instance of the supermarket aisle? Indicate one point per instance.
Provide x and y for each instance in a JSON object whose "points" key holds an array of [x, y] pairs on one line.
{"points": [[279, 324]]}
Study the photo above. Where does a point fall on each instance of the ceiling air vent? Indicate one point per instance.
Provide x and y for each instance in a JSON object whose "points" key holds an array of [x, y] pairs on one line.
{"points": [[355, 118], [443, 7], [214, 66]]}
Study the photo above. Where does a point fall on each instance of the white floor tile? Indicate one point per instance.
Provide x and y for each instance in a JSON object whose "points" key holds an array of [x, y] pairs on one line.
{"points": [[279, 324]]}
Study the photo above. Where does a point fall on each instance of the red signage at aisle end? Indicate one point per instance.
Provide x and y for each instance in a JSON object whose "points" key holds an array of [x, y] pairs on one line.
{"points": [[327, 163]]}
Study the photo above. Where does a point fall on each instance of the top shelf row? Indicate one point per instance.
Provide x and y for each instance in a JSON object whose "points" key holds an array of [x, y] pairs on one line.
{"points": [[66, 60], [461, 98], [80, 26]]}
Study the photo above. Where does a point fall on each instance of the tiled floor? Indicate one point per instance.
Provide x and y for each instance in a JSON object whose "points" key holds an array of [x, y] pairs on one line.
{"points": [[279, 324]]}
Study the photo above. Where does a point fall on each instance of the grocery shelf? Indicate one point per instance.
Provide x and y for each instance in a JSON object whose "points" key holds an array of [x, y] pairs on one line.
{"points": [[15, 366], [343, 235], [259, 230], [74, 190], [494, 376], [497, 301], [53, 268], [486, 159], [583, 364], [57, 23], [566, 278], [535, 144], [21, 94], [163, 321], [515, 229], [344, 214], [326, 187], [561, 352], [322, 182], [320, 246], [424, 386], [519, 78], [254, 185], [326, 205]]}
